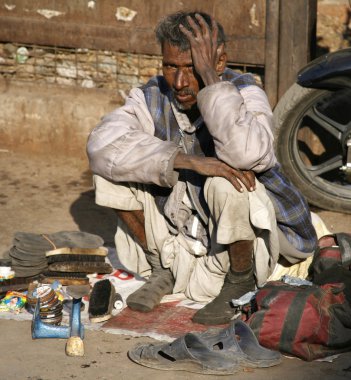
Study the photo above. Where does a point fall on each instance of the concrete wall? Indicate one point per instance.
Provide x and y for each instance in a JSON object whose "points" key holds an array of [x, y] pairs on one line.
{"points": [[50, 120]]}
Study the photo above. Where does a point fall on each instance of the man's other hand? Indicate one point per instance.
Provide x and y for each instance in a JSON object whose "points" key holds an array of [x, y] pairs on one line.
{"points": [[212, 167], [205, 50]]}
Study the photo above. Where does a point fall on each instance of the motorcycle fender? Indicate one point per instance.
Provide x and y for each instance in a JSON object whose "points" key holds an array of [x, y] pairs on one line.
{"points": [[330, 71]]}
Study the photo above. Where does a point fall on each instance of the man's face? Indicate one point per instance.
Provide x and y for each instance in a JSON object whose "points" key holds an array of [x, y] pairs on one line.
{"points": [[180, 75]]}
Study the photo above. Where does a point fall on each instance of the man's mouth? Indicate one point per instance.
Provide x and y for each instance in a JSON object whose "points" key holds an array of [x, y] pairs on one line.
{"points": [[181, 97], [185, 95]]}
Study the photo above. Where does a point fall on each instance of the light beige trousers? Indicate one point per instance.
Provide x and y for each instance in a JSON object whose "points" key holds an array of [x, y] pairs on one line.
{"points": [[199, 272]]}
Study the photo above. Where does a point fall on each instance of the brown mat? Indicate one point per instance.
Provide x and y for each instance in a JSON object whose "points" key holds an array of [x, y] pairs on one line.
{"points": [[166, 319]]}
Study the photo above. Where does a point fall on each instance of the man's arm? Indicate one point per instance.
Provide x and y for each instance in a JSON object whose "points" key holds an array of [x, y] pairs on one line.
{"points": [[123, 148], [240, 122], [212, 167]]}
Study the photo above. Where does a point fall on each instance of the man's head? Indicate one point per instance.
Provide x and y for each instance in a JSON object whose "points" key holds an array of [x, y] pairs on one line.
{"points": [[178, 68], [168, 29]]}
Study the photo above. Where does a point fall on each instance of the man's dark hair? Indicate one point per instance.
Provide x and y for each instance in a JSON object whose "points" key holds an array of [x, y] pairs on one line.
{"points": [[168, 29]]}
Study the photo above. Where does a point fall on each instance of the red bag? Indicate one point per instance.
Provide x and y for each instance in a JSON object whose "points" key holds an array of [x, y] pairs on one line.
{"points": [[332, 262], [309, 322], [333, 250]]}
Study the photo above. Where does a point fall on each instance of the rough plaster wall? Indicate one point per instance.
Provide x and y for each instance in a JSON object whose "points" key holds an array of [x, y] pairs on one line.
{"points": [[48, 119]]}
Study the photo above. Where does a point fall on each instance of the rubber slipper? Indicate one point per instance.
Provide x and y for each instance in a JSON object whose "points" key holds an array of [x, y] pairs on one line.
{"points": [[240, 343], [45, 242], [187, 353]]}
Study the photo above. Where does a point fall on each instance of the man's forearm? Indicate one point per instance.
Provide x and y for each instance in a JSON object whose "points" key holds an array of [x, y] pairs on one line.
{"points": [[212, 167], [184, 161]]}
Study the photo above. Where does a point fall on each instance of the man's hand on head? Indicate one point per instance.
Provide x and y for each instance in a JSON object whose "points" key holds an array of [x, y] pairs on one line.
{"points": [[204, 48], [212, 167]]}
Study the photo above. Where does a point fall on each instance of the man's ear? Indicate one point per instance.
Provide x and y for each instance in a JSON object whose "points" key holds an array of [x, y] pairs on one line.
{"points": [[222, 59]]}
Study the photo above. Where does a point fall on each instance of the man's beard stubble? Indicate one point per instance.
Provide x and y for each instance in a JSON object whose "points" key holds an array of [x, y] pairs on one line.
{"points": [[185, 91]]}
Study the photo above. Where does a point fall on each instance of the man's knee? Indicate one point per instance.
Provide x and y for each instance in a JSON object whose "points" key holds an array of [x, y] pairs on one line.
{"points": [[119, 196], [230, 211], [219, 188]]}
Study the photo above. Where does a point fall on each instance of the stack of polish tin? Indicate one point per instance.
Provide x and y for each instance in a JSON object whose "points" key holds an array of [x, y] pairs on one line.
{"points": [[49, 303]]}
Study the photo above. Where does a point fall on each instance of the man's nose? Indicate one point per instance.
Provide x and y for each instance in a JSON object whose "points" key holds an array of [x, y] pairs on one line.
{"points": [[181, 79]]}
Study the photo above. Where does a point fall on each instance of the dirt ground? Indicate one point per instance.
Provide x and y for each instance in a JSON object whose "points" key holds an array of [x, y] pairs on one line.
{"points": [[45, 195]]}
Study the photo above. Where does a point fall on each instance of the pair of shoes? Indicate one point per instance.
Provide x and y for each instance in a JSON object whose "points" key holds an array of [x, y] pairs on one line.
{"points": [[160, 283], [221, 310], [213, 352]]}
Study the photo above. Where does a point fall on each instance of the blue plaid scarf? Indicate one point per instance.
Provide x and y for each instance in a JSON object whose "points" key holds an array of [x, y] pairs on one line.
{"points": [[291, 209]]}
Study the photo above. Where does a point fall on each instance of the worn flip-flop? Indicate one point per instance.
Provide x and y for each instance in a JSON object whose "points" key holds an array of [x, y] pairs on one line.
{"points": [[44, 242], [187, 353], [240, 343]]}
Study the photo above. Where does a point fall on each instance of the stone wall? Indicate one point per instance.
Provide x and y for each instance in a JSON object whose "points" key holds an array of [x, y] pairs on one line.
{"points": [[83, 68], [333, 25]]}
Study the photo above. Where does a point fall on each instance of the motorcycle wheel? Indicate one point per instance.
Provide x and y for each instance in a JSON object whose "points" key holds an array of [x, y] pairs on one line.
{"points": [[310, 128]]}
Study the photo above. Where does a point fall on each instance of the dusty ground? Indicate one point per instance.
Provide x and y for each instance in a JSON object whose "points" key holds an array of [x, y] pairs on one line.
{"points": [[41, 194]]}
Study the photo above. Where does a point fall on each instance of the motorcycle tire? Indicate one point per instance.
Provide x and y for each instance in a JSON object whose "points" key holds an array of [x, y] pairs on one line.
{"points": [[310, 130]]}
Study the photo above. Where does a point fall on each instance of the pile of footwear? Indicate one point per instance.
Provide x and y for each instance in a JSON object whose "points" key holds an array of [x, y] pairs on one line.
{"points": [[67, 256], [28, 254]]}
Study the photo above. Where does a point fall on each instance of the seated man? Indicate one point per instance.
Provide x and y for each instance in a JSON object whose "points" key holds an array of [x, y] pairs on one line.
{"points": [[189, 166]]}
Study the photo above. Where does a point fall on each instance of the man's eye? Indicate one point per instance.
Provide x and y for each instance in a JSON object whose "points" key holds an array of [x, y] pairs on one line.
{"points": [[169, 67]]}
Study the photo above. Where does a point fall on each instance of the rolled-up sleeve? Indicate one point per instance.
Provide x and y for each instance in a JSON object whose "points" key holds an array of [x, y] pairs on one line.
{"points": [[240, 123], [123, 148]]}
